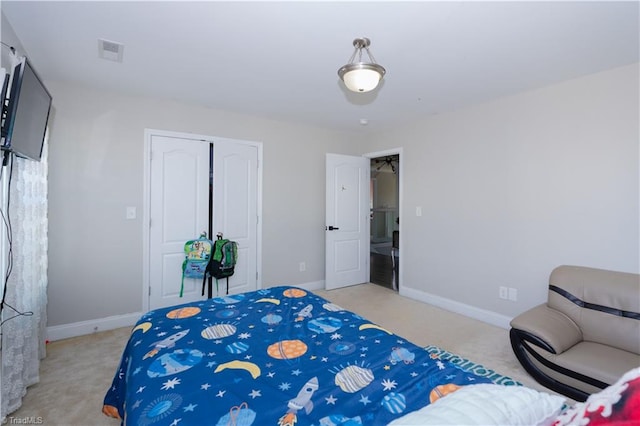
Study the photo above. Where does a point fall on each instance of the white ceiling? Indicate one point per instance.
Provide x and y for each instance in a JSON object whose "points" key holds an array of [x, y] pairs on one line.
{"points": [[280, 59]]}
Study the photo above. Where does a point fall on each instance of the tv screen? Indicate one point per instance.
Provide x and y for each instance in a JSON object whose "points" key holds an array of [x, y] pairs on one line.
{"points": [[27, 113]]}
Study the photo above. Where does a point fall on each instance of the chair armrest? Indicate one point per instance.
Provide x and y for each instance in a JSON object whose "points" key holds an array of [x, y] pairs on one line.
{"points": [[548, 327]]}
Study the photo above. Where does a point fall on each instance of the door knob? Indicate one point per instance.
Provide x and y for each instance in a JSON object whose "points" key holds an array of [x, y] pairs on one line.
{"points": [[333, 228]]}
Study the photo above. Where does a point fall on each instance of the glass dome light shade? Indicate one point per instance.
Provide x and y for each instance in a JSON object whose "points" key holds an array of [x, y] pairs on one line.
{"points": [[361, 77]]}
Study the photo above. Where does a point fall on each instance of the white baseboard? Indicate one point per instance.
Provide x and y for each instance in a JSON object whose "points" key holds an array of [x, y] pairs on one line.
{"points": [[483, 315], [58, 332]]}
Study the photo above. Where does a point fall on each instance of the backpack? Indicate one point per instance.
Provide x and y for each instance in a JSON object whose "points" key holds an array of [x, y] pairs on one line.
{"points": [[197, 254], [223, 261]]}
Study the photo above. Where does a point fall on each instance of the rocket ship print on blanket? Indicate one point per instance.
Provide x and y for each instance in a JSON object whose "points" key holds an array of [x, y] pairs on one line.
{"points": [[169, 342], [302, 400], [305, 313]]}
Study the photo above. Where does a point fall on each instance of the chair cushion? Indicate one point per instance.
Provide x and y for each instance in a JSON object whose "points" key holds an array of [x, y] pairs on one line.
{"points": [[601, 362]]}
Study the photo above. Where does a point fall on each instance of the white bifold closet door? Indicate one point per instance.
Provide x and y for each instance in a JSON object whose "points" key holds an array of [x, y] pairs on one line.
{"points": [[184, 180]]}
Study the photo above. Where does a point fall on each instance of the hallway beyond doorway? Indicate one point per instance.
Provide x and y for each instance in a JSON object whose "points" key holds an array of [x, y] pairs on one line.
{"points": [[384, 219]]}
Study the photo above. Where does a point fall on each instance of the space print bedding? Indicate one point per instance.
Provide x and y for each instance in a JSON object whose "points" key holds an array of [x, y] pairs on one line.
{"points": [[281, 356]]}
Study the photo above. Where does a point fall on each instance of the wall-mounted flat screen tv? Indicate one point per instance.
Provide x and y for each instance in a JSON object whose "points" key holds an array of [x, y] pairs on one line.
{"points": [[27, 113]]}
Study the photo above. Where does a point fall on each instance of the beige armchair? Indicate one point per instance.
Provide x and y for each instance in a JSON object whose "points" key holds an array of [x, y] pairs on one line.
{"points": [[586, 335]]}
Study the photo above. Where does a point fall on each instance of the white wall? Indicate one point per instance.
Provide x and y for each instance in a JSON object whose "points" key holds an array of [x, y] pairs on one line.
{"points": [[512, 188], [95, 171]]}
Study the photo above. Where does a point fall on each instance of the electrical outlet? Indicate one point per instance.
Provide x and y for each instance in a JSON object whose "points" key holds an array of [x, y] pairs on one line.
{"points": [[131, 213], [513, 294], [503, 293], [303, 266]]}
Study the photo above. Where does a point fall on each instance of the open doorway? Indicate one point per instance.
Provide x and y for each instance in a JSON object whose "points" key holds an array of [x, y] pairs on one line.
{"points": [[385, 220]]}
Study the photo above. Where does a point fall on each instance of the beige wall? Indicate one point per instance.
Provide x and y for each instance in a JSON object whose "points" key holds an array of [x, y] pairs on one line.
{"points": [[96, 171], [509, 189], [512, 188]]}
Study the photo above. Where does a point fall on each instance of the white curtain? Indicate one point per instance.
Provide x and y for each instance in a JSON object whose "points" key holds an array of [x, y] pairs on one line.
{"points": [[23, 337]]}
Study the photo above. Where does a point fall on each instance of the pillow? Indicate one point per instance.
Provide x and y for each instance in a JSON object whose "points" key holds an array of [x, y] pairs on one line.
{"points": [[616, 405], [488, 404]]}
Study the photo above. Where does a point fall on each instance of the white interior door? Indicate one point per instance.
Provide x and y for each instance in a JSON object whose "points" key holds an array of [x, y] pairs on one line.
{"points": [[235, 214], [347, 221], [178, 212]]}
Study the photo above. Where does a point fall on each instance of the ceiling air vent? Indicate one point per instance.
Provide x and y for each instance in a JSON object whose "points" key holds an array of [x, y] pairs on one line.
{"points": [[110, 50]]}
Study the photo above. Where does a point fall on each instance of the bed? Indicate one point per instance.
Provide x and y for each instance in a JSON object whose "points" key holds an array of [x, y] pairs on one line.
{"points": [[279, 356]]}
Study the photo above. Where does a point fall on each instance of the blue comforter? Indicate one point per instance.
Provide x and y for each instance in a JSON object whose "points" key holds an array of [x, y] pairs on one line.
{"points": [[280, 356]]}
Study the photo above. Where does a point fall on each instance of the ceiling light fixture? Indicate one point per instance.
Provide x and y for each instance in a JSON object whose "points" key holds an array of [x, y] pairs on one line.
{"points": [[361, 76]]}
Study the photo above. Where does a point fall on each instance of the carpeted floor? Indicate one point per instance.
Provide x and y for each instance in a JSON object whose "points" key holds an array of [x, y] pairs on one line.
{"points": [[77, 372]]}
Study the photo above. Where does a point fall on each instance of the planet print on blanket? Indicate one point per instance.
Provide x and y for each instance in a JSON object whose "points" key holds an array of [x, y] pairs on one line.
{"points": [[237, 347], [353, 378], [271, 319], [175, 362], [342, 348], [218, 331], [227, 313], [324, 325], [160, 408], [287, 349], [294, 293], [340, 420], [229, 299], [395, 403], [442, 390], [182, 313]]}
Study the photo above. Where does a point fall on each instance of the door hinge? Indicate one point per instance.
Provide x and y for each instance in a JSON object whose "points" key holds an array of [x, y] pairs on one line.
{"points": [[149, 290]]}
